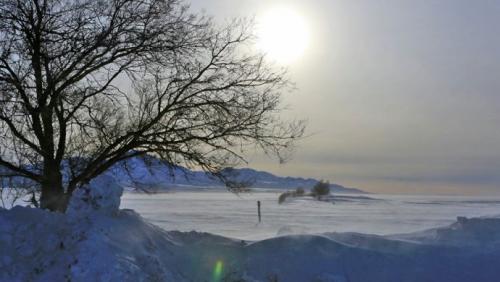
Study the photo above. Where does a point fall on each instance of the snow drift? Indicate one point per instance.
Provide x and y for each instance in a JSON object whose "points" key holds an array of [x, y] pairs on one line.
{"points": [[95, 241]]}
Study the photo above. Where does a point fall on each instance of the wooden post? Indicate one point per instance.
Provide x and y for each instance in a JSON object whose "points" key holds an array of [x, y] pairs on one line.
{"points": [[258, 211]]}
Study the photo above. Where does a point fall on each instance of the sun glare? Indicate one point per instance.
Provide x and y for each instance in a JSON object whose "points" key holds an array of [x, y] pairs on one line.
{"points": [[282, 35]]}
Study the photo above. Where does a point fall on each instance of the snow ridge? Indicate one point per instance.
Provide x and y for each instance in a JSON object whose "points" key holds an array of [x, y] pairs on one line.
{"points": [[153, 175]]}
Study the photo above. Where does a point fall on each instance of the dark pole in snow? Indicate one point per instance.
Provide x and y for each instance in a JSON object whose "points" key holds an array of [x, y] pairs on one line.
{"points": [[258, 210]]}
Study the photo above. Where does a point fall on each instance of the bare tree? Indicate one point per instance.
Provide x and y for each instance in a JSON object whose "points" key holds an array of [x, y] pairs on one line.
{"points": [[85, 84]]}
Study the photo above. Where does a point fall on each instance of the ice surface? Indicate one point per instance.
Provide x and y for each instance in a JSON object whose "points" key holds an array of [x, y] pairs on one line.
{"points": [[235, 216]]}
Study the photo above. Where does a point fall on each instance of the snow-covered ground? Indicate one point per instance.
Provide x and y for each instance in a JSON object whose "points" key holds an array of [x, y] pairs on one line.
{"points": [[95, 241], [235, 216]]}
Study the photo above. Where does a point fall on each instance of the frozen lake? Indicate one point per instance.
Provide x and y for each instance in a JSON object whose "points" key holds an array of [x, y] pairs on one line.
{"points": [[235, 216]]}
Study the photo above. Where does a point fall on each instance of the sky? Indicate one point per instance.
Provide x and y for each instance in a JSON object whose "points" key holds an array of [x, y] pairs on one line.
{"points": [[400, 96]]}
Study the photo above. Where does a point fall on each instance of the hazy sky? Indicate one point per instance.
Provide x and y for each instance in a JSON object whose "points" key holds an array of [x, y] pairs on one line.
{"points": [[401, 96]]}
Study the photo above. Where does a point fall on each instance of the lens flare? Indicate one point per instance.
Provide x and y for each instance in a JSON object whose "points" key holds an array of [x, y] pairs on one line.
{"points": [[218, 268]]}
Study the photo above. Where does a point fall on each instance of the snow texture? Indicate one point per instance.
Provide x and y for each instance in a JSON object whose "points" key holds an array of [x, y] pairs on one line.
{"points": [[235, 215], [102, 194], [98, 242]]}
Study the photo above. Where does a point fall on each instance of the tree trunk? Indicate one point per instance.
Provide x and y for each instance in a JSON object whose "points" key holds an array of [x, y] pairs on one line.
{"points": [[53, 196]]}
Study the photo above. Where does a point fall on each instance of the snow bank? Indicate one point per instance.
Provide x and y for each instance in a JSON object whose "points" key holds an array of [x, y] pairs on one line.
{"points": [[102, 194], [98, 242], [465, 232]]}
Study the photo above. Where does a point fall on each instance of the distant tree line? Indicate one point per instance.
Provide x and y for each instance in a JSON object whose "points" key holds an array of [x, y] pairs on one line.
{"points": [[320, 189]]}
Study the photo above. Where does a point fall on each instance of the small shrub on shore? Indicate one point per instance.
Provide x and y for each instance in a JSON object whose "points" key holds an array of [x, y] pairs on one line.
{"points": [[299, 192], [321, 188], [282, 197]]}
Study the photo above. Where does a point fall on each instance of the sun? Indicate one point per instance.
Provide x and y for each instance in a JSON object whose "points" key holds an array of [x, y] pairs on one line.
{"points": [[282, 34]]}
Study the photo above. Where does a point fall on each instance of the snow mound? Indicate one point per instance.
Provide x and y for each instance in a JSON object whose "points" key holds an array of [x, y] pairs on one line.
{"points": [[465, 232], [37, 245], [102, 194]]}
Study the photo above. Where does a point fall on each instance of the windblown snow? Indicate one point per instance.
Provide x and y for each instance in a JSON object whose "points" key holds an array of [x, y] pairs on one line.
{"points": [[96, 241]]}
